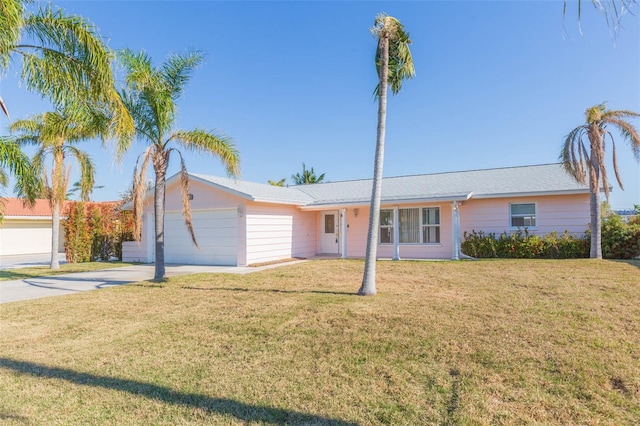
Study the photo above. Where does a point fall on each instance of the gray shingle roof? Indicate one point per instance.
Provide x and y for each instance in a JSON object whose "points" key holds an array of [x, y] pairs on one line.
{"points": [[256, 191], [543, 179]]}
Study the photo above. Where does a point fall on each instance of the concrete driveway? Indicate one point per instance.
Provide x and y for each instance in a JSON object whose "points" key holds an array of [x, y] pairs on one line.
{"points": [[59, 285], [28, 260]]}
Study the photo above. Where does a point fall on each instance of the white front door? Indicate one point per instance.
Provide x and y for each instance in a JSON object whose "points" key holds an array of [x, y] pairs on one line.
{"points": [[329, 235]]}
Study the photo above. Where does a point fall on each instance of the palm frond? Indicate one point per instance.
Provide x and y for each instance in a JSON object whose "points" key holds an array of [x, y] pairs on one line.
{"points": [[12, 158], [572, 154], [629, 133], [139, 188], [68, 62], [177, 70], [207, 142], [184, 192], [615, 163], [11, 18], [87, 172]]}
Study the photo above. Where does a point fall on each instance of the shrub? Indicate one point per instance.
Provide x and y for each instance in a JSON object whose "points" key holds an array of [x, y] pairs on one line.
{"points": [[620, 240], [522, 244], [95, 231]]}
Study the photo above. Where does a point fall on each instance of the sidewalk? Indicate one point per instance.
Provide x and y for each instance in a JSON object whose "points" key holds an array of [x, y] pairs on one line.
{"points": [[59, 285]]}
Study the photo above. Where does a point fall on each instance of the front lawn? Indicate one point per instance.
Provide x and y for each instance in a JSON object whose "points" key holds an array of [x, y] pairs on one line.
{"points": [[486, 342]]}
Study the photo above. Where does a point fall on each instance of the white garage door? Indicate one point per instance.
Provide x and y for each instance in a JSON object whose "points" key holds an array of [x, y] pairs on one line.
{"points": [[216, 233], [25, 237]]}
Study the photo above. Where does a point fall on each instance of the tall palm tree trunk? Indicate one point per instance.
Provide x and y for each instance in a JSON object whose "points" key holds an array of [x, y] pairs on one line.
{"points": [[595, 226], [160, 166], [368, 287], [595, 135], [55, 200], [55, 236]]}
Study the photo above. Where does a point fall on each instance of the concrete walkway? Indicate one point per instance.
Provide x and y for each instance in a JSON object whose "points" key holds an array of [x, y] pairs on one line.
{"points": [[59, 285]]}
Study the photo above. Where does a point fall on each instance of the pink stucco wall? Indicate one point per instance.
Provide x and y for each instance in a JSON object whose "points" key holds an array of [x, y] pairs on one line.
{"points": [[358, 228], [553, 213]]}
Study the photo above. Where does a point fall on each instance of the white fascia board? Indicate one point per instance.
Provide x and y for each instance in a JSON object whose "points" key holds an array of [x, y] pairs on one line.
{"points": [[387, 201], [277, 201], [49, 218]]}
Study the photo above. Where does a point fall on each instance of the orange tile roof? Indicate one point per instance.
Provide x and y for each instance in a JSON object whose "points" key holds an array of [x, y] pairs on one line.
{"points": [[16, 207]]}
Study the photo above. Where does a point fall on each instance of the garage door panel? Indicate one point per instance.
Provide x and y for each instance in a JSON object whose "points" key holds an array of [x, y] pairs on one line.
{"points": [[216, 233], [25, 238]]}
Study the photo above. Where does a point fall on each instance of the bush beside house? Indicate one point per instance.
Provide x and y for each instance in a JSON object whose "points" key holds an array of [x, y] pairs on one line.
{"points": [[523, 245], [620, 240], [95, 231]]}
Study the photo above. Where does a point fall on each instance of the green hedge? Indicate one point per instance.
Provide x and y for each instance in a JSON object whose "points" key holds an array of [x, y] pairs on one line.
{"points": [[522, 244], [620, 240]]}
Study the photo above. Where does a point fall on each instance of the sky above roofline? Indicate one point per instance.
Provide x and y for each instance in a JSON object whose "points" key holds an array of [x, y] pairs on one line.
{"points": [[498, 84]]}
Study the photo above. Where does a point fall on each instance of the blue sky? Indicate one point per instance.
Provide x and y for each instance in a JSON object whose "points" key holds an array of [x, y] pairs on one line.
{"points": [[497, 84]]}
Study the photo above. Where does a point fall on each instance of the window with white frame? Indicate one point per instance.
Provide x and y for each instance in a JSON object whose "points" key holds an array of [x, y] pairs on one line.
{"points": [[415, 226], [386, 226], [523, 215], [431, 225]]}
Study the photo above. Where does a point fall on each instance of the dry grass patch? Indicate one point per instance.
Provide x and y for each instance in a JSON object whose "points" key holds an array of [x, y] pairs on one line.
{"points": [[488, 342]]}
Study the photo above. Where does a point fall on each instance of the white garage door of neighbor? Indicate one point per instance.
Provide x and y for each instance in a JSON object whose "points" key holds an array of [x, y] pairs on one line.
{"points": [[25, 237], [216, 234]]}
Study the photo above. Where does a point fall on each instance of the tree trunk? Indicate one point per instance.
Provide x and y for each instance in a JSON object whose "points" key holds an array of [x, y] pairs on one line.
{"points": [[56, 198], [368, 287], [160, 168], [595, 226], [595, 134], [55, 235]]}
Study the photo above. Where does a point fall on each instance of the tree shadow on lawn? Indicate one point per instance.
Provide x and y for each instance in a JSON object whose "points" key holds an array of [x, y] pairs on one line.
{"points": [[240, 410], [97, 283], [273, 290]]}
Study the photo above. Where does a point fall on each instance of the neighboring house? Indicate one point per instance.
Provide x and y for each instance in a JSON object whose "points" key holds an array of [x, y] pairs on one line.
{"points": [[422, 217], [26, 230]]}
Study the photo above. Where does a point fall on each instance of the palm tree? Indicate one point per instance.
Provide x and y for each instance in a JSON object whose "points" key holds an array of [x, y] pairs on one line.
{"points": [[16, 162], [281, 182], [151, 98], [308, 176], [56, 134], [62, 58], [394, 64], [578, 160]]}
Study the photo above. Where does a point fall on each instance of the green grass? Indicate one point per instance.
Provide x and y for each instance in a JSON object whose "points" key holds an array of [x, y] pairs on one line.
{"points": [[447, 343], [65, 268]]}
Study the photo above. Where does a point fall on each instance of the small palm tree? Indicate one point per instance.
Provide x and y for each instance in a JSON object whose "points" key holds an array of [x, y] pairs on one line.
{"points": [[394, 65], [579, 161], [308, 176], [151, 98], [63, 58], [281, 182], [55, 134]]}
